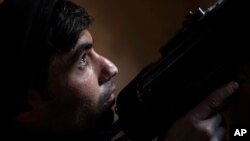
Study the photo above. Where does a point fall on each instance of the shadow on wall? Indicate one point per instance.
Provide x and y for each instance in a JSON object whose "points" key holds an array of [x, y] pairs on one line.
{"points": [[130, 32]]}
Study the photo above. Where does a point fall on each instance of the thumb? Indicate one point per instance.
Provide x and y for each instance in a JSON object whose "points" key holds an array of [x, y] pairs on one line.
{"points": [[214, 101]]}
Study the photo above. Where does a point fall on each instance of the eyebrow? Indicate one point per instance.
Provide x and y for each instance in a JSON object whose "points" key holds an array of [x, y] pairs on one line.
{"points": [[80, 50]]}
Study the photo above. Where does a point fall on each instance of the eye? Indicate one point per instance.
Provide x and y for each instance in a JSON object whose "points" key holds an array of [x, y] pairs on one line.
{"points": [[83, 63]]}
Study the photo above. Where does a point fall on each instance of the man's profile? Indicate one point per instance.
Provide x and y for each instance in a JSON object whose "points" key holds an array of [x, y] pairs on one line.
{"points": [[56, 84]]}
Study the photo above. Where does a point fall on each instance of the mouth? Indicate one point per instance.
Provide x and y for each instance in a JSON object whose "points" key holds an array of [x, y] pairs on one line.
{"points": [[110, 101], [109, 95]]}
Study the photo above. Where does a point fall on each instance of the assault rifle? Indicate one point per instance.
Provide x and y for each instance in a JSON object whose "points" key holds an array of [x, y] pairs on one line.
{"points": [[202, 56]]}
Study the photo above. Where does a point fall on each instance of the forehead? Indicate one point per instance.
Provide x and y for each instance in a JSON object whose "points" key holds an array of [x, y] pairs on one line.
{"points": [[85, 37]]}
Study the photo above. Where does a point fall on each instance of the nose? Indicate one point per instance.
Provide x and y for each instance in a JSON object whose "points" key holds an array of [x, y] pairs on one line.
{"points": [[107, 71]]}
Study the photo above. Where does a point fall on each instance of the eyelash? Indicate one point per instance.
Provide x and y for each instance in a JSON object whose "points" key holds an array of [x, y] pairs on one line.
{"points": [[83, 63]]}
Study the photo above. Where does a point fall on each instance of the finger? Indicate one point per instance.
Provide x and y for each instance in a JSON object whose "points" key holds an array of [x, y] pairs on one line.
{"points": [[214, 101], [211, 124], [219, 134]]}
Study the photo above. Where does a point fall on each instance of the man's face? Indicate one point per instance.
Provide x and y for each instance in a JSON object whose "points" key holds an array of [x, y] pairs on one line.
{"points": [[80, 87]]}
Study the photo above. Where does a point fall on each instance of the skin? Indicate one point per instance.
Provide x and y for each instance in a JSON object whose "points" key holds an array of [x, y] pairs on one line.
{"points": [[239, 113], [79, 91], [80, 97], [203, 123]]}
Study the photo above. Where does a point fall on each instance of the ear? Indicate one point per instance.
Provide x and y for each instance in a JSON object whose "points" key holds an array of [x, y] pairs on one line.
{"points": [[34, 114]]}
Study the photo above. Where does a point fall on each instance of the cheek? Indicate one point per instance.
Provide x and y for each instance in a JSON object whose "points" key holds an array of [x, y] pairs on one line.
{"points": [[84, 87]]}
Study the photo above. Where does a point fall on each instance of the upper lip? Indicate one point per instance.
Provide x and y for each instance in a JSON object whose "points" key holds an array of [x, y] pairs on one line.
{"points": [[110, 91]]}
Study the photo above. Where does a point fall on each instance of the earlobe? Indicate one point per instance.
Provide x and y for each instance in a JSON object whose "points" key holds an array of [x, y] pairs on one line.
{"points": [[33, 99], [31, 116], [25, 118]]}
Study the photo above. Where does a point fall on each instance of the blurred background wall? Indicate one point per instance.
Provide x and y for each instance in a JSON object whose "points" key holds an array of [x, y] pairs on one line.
{"points": [[130, 32]]}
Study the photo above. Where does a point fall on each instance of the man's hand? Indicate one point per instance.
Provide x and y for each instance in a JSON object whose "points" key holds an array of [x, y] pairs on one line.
{"points": [[203, 122]]}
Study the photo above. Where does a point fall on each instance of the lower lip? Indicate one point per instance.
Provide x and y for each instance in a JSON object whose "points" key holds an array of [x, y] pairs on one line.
{"points": [[111, 100]]}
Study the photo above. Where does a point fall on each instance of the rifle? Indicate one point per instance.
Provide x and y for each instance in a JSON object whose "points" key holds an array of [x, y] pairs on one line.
{"points": [[204, 54]]}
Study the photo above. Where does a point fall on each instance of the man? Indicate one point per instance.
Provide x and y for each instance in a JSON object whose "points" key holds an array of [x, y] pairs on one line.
{"points": [[56, 84]]}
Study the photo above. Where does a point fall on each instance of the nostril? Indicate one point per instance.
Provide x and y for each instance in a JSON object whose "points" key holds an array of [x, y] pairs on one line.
{"points": [[104, 78], [108, 73]]}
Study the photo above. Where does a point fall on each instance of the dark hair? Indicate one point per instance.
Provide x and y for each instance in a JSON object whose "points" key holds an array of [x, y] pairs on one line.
{"points": [[67, 21], [32, 33]]}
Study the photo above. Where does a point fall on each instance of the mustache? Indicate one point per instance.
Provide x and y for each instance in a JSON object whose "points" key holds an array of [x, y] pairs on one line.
{"points": [[107, 89]]}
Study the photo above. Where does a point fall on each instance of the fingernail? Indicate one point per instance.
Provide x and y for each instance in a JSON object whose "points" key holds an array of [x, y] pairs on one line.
{"points": [[235, 85]]}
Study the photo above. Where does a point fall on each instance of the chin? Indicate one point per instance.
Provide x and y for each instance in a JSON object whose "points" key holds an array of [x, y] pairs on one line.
{"points": [[106, 119]]}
